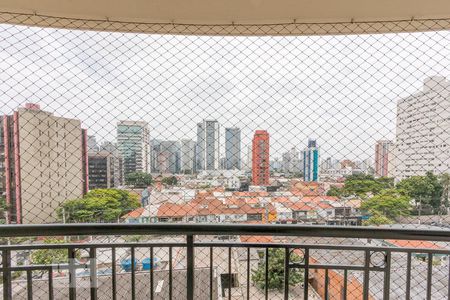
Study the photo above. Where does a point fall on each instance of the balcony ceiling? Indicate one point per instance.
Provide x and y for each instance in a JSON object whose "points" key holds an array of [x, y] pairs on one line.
{"points": [[232, 13]]}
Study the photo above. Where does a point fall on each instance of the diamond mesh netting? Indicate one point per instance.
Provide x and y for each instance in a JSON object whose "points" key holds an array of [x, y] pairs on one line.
{"points": [[105, 122]]}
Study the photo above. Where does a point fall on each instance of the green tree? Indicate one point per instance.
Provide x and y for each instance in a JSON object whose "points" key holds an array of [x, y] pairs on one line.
{"points": [[335, 191], [50, 256], [426, 191], [361, 185], [102, 205], [126, 199], [276, 271], [445, 183], [171, 180], [377, 219], [138, 179], [390, 203], [3, 208]]}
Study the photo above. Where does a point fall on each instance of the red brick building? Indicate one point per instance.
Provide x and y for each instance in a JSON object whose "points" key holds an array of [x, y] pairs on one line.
{"points": [[260, 158]]}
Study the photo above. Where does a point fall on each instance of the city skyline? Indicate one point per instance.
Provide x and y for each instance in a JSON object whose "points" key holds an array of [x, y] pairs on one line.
{"points": [[349, 110]]}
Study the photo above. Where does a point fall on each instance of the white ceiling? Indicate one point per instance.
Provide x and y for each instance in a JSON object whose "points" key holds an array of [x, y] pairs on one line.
{"points": [[234, 14]]}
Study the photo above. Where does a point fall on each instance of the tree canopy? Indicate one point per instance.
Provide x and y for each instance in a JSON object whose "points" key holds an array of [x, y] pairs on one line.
{"points": [[171, 180], [426, 191], [101, 205], [276, 271], [3, 208], [138, 179], [390, 203], [362, 185]]}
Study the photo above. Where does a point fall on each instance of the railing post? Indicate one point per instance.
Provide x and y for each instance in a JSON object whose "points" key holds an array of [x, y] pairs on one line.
{"points": [[93, 272], [72, 274], [190, 267], [286, 273], [6, 264]]}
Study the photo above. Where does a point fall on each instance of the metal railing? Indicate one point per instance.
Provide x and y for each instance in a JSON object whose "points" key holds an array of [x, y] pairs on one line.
{"points": [[325, 269]]}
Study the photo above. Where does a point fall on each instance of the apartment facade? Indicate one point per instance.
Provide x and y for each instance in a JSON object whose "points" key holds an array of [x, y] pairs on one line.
{"points": [[45, 163], [311, 161], [169, 157], [383, 153], [233, 148], [423, 130], [133, 140], [105, 170], [208, 144], [187, 156], [260, 158]]}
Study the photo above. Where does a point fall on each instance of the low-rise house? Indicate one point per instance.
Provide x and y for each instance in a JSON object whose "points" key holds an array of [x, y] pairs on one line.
{"points": [[141, 215], [303, 212], [284, 213]]}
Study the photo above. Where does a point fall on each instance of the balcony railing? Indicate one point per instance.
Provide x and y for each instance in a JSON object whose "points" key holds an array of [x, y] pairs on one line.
{"points": [[203, 266]]}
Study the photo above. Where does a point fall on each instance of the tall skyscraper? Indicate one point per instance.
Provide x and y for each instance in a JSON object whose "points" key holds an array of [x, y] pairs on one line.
{"points": [[423, 131], [155, 146], [45, 163], [208, 145], [260, 158], [187, 156], [169, 157], [383, 149], [233, 148], [134, 145], [117, 163], [291, 161], [311, 161], [92, 143]]}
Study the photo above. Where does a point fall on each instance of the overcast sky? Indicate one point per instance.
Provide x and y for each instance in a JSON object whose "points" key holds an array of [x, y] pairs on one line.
{"points": [[341, 90]]}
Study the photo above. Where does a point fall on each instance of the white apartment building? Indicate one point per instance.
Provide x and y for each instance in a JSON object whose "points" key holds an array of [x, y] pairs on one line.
{"points": [[423, 131], [45, 163], [208, 145]]}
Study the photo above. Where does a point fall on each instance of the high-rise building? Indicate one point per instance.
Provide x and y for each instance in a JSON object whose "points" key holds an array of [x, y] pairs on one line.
{"points": [[92, 143], [187, 156], [134, 146], [291, 161], [155, 146], [208, 145], [423, 131], [311, 161], [112, 148], [260, 158], [383, 149], [233, 148], [247, 166], [168, 158], [276, 165], [45, 163], [104, 170]]}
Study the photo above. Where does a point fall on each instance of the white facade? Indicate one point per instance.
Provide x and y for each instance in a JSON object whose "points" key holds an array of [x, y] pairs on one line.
{"points": [[423, 131], [208, 145], [291, 161], [187, 153]]}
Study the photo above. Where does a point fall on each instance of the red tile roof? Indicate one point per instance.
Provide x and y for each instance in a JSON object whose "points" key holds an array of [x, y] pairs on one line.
{"points": [[135, 213], [301, 206], [256, 239], [414, 244]]}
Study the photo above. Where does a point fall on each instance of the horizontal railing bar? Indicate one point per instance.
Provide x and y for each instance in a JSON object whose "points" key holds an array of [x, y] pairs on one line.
{"points": [[225, 229], [340, 267], [228, 245], [322, 247], [43, 267], [88, 246]]}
